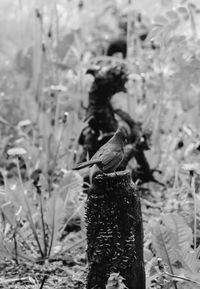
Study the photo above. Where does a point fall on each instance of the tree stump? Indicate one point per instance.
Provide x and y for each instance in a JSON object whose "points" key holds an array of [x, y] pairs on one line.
{"points": [[114, 231]]}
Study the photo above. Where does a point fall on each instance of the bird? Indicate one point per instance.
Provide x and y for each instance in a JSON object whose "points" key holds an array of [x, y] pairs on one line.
{"points": [[110, 155]]}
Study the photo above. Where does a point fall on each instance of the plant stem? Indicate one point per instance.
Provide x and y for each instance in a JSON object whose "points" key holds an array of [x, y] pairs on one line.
{"points": [[128, 42], [195, 210], [28, 214], [55, 158]]}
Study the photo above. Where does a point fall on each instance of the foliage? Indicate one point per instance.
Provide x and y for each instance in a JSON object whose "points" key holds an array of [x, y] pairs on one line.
{"points": [[33, 218], [46, 47], [115, 281], [173, 240]]}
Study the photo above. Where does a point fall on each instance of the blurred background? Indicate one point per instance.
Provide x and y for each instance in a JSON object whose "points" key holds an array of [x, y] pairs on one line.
{"points": [[46, 47]]}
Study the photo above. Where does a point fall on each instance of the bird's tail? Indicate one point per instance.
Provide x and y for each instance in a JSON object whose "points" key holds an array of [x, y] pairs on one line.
{"points": [[86, 164]]}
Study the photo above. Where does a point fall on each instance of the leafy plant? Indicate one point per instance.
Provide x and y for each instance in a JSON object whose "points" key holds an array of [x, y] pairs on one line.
{"points": [[115, 281], [173, 240], [32, 221]]}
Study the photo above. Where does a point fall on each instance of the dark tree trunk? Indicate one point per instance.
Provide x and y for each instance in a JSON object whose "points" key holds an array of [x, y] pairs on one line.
{"points": [[114, 231], [102, 124]]}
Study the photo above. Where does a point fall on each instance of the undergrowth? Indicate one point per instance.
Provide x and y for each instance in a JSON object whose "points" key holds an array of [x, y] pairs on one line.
{"points": [[43, 92]]}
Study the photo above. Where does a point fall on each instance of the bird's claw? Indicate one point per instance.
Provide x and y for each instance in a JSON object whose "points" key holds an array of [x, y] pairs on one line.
{"points": [[157, 171]]}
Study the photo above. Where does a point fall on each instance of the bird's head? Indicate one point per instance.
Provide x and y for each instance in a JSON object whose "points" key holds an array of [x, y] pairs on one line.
{"points": [[122, 134]]}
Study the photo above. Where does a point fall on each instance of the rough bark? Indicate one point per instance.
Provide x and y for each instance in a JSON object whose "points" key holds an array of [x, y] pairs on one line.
{"points": [[114, 232]]}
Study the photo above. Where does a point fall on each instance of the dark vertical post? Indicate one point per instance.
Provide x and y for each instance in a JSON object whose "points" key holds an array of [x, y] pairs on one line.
{"points": [[114, 231]]}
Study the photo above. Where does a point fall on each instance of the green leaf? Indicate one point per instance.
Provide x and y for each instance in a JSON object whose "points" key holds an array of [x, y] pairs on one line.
{"points": [[172, 15], [183, 231], [4, 251], [71, 186], [115, 281], [173, 239], [173, 25], [184, 12], [9, 211], [4, 121], [165, 244], [54, 218], [161, 20], [154, 32]]}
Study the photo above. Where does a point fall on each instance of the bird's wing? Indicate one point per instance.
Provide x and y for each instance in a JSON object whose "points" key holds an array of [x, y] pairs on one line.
{"points": [[87, 164], [111, 160]]}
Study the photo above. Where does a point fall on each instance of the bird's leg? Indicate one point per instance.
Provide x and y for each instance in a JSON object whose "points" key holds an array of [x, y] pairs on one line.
{"points": [[115, 173], [156, 170], [94, 171]]}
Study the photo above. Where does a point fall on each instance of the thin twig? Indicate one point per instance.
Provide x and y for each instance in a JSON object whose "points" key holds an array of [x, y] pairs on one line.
{"points": [[181, 278], [195, 210], [43, 281]]}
